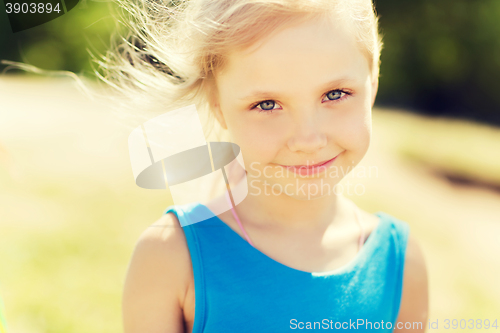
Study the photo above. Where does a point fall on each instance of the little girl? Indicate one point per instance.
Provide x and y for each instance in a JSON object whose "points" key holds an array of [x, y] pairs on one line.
{"points": [[292, 82]]}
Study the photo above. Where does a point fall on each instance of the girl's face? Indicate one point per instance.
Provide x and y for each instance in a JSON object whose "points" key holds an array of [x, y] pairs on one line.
{"points": [[300, 98]]}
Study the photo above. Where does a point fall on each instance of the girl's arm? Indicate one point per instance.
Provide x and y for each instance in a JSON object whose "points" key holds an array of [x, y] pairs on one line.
{"points": [[414, 302], [157, 280]]}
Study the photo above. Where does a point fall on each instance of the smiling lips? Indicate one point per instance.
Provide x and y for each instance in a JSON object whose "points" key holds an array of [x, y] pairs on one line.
{"points": [[308, 170]]}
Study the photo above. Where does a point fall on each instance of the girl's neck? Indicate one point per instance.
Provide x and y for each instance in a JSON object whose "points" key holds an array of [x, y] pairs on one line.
{"points": [[279, 211]]}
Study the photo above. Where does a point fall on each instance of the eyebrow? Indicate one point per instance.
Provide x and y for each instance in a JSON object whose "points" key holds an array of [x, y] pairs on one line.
{"points": [[262, 94]]}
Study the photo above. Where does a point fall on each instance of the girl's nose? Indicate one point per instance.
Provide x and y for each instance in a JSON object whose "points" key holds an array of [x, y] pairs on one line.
{"points": [[308, 138]]}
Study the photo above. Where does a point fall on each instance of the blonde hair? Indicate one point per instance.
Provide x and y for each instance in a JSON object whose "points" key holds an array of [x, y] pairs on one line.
{"points": [[174, 48]]}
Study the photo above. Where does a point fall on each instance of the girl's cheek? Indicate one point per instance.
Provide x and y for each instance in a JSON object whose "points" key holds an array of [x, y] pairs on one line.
{"points": [[258, 140], [349, 128], [359, 129]]}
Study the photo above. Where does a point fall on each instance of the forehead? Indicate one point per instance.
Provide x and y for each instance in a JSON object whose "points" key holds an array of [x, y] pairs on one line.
{"points": [[310, 53]]}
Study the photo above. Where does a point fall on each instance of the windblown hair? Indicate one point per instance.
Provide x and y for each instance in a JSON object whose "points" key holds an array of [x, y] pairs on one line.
{"points": [[174, 48]]}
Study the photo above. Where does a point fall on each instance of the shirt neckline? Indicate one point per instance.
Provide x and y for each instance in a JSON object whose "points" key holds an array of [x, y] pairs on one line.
{"points": [[367, 246]]}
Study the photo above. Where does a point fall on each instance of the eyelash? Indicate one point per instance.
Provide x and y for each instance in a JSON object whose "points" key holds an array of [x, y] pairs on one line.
{"points": [[345, 92]]}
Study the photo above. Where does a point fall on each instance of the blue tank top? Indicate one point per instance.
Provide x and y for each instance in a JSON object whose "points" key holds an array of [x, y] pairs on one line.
{"points": [[240, 289]]}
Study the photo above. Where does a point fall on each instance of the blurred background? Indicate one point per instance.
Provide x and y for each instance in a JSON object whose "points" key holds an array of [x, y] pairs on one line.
{"points": [[70, 212]]}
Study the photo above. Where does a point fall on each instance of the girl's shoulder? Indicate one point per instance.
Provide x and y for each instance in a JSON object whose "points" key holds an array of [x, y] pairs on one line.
{"points": [[415, 295], [165, 239], [159, 276]]}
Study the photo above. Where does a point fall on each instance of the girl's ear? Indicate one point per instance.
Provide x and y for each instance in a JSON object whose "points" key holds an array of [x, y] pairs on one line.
{"points": [[374, 90], [219, 116]]}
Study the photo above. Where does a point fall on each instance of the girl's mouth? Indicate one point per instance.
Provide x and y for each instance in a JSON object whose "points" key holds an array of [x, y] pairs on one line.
{"points": [[308, 170]]}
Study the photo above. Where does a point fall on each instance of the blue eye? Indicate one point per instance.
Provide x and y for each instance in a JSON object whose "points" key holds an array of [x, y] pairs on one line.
{"points": [[335, 94], [267, 105]]}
